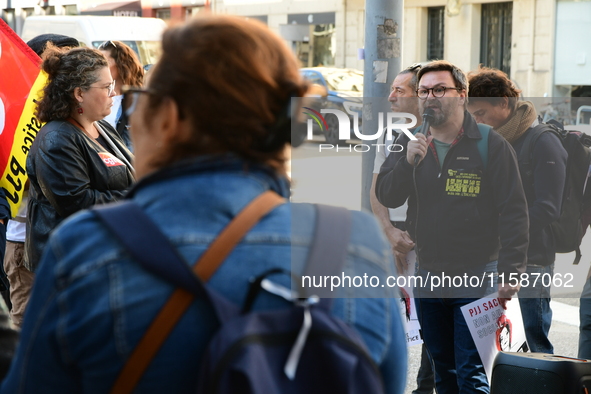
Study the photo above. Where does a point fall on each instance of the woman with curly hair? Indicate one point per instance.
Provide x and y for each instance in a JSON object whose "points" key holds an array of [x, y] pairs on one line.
{"points": [[125, 69], [77, 159]]}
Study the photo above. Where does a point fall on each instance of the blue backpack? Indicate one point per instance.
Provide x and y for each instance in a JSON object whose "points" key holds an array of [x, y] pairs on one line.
{"points": [[293, 350]]}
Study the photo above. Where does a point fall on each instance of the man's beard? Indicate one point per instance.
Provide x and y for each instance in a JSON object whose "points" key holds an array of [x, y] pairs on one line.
{"points": [[441, 116]]}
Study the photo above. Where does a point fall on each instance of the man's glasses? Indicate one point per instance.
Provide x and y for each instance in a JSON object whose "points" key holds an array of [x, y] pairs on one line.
{"points": [[106, 44], [131, 95], [110, 88], [437, 92]]}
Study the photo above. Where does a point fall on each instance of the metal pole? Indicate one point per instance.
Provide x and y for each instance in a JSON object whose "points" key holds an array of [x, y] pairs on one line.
{"points": [[383, 48]]}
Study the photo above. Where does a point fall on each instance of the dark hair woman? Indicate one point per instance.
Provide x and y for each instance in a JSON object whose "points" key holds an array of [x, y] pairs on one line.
{"points": [[125, 69], [210, 132], [77, 160]]}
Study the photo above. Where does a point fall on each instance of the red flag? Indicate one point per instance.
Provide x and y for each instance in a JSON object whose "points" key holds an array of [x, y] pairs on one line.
{"points": [[21, 83]]}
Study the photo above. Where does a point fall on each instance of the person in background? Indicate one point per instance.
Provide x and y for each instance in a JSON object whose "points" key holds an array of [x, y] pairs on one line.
{"points": [[200, 159], [39, 43], [4, 215], [8, 332], [584, 350], [494, 100], [19, 276], [77, 160], [126, 70], [403, 98]]}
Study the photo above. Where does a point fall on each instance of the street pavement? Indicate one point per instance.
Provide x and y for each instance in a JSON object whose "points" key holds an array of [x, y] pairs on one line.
{"points": [[325, 175]]}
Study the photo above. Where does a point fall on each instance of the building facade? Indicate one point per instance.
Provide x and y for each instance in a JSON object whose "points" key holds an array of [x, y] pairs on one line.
{"points": [[321, 33], [541, 44], [517, 37], [14, 12]]}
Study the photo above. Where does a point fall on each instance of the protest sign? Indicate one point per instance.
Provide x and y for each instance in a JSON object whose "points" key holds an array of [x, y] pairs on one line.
{"points": [[21, 83], [409, 310], [495, 329]]}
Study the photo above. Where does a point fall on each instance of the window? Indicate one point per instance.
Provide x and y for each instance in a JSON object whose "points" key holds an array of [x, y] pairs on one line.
{"points": [[324, 45], [192, 11], [163, 13], [495, 39], [25, 12], [71, 9], [435, 33]]}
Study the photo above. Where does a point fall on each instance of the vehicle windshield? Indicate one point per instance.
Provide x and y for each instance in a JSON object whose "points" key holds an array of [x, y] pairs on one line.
{"points": [[147, 51], [344, 80]]}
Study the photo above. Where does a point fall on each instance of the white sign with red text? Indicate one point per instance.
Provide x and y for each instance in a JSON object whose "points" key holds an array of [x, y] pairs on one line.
{"points": [[495, 329]]}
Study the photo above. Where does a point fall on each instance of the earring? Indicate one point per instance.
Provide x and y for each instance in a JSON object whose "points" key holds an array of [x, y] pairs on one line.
{"points": [[80, 110]]}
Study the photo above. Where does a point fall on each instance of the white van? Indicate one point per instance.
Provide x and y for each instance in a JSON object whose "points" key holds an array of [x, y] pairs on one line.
{"points": [[143, 35]]}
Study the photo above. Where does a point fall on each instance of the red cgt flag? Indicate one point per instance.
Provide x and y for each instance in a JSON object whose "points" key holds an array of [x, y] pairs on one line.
{"points": [[21, 83]]}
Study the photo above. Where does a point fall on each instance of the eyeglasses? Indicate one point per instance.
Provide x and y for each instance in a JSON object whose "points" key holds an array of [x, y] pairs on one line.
{"points": [[134, 94], [438, 91], [105, 44], [414, 66], [110, 88]]}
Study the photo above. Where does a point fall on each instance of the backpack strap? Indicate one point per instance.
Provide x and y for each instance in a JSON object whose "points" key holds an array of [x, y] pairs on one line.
{"points": [[329, 248], [160, 258], [482, 144]]}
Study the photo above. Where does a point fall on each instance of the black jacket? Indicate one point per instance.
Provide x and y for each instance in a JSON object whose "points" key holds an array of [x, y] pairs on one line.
{"points": [[69, 172], [123, 129], [463, 209], [544, 196]]}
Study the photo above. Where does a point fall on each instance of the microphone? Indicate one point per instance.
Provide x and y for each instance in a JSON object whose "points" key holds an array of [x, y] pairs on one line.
{"points": [[427, 117]]}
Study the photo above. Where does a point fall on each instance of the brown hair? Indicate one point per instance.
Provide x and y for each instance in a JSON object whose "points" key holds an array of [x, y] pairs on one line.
{"points": [[128, 66], [233, 79], [492, 84], [66, 71], [457, 74]]}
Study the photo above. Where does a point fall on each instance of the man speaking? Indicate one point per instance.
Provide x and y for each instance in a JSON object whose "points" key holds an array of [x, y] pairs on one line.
{"points": [[467, 215]]}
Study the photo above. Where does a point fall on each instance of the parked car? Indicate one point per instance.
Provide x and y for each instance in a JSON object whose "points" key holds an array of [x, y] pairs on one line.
{"points": [[343, 89]]}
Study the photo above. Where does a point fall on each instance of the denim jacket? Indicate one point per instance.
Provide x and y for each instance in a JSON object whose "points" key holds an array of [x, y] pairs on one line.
{"points": [[92, 303]]}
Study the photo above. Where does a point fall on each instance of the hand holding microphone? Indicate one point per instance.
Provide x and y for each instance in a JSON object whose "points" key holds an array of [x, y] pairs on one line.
{"points": [[420, 146]]}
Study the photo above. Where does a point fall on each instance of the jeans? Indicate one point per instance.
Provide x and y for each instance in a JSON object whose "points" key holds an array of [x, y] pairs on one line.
{"points": [[458, 368], [535, 309], [425, 376], [457, 364]]}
